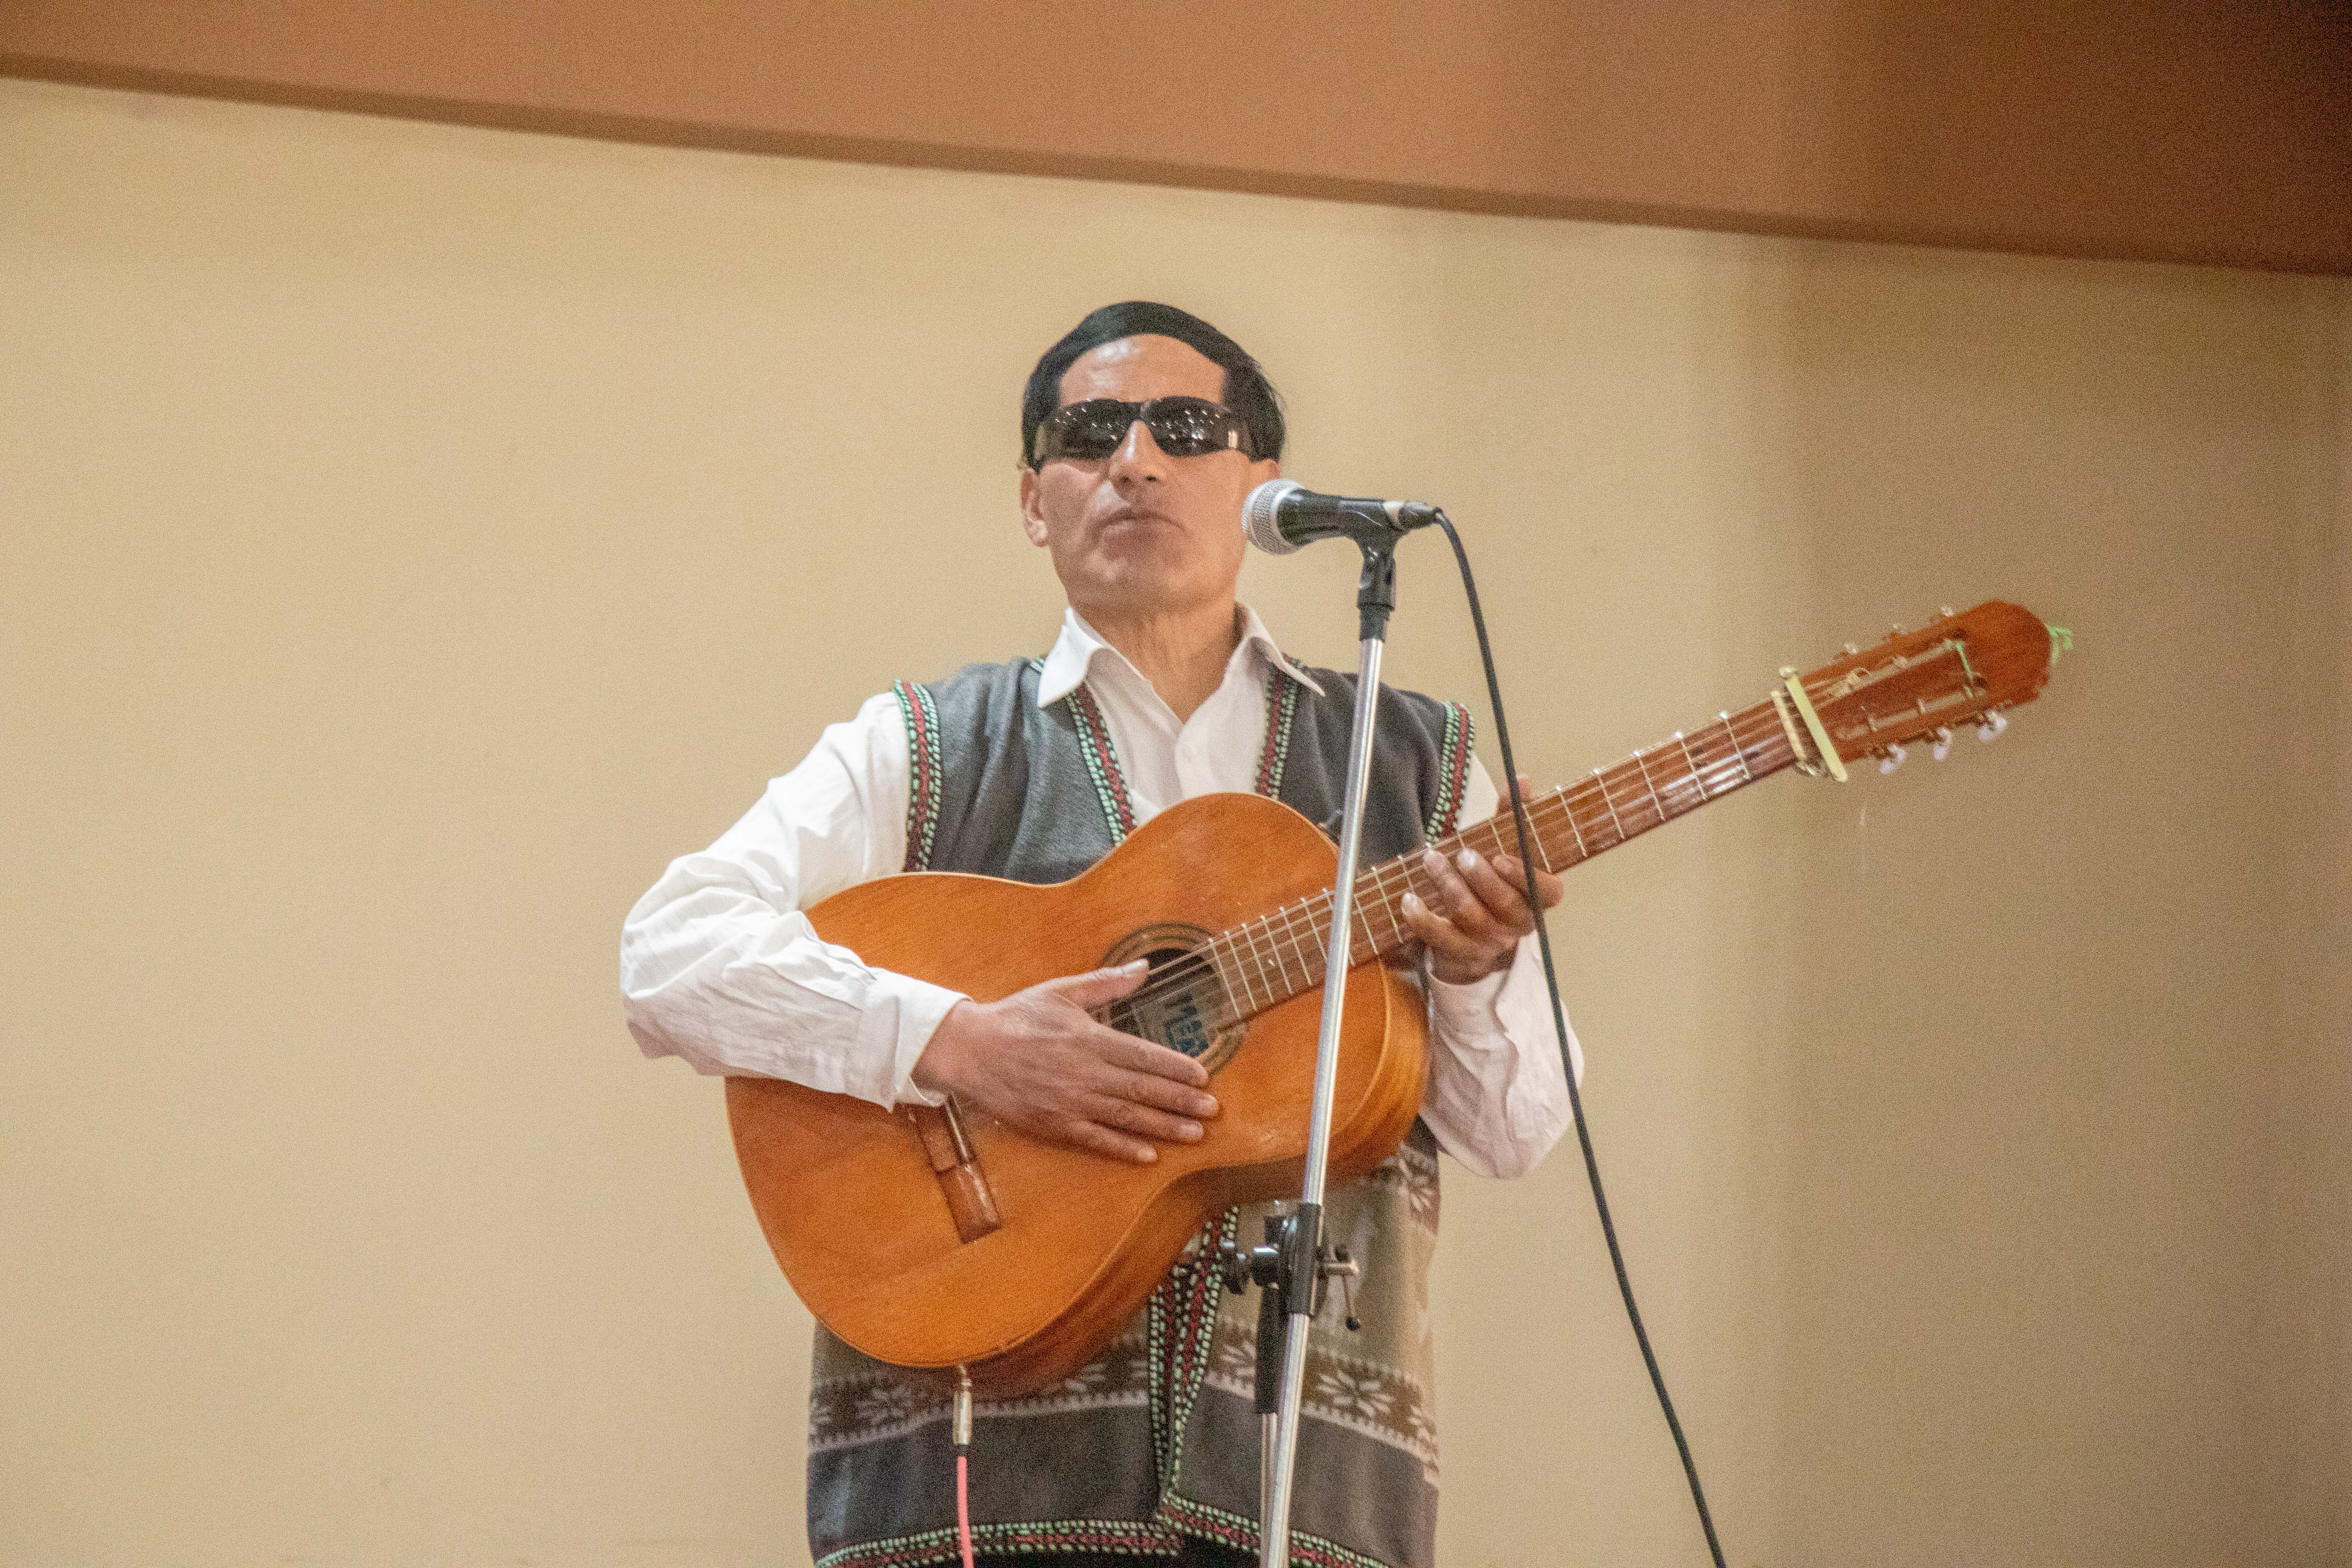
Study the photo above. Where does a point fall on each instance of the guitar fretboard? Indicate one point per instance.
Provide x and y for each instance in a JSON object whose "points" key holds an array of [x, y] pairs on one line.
{"points": [[1274, 957]]}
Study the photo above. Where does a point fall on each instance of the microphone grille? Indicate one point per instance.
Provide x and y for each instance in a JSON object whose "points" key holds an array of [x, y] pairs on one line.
{"points": [[1260, 512]]}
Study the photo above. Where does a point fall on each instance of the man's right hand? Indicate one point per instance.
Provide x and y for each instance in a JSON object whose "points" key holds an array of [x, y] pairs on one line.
{"points": [[1037, 1061]]}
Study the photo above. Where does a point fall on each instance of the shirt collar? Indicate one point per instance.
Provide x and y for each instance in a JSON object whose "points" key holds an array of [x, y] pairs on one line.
{"points": [[1080, 644]]}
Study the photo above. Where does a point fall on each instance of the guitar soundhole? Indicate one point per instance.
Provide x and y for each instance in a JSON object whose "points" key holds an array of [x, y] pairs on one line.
{"points": [[1181, 1003]]}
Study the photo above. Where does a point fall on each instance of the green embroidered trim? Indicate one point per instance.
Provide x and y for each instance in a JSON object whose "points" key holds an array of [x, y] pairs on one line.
{"points": [[1453, 773], [1155, 1342], [1212, 1523], [923, 770], [1118, 1537], [1189, 1366], [1102, 763]]}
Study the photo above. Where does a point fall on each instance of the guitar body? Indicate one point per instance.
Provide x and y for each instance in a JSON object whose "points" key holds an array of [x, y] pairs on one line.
{"points": [[857, 1210]]}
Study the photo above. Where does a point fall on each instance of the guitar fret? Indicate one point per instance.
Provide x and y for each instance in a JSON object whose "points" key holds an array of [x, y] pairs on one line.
{"points": [[1535, 837], [1261, 945], [1655, 803], [1394, 903], [1621, 835], [1738, 752], [1285, 938], [1247, 963], [1215, 950], [1568, 809], [1692, 763], [1726, 755], [1371, 894], [1382, 887], [1363, 914], [1506, 839], [1310, 930], [1415, 886]]}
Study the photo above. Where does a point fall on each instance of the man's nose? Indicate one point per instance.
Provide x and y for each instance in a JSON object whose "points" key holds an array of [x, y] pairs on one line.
{"points": [[1139, 456]]}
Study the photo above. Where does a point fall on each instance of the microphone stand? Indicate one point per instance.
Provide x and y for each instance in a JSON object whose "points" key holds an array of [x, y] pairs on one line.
{"points": [[1292, 1265]]}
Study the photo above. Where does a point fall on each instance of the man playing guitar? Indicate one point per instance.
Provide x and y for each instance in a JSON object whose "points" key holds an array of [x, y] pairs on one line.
{"points": [[1142, 430]]}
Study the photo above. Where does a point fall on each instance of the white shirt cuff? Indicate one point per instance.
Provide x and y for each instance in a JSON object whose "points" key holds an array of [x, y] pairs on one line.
{"points": [[1466, 1012], [899, 1022]]}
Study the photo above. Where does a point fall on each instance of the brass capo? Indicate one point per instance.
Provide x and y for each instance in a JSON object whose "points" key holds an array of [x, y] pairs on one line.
{"points": [[1829, 763]]}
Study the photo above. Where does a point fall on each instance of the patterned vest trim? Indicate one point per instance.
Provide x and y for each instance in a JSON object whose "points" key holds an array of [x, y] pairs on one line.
{"points": [[1164, 1419], [922, 719]]}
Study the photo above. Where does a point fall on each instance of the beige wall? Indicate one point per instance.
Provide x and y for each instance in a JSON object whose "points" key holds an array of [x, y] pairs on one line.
{"points": [[415, 535]]}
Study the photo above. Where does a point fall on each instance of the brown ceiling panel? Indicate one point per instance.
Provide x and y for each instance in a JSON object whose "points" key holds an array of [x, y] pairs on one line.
{"points": [[2197, 131]]}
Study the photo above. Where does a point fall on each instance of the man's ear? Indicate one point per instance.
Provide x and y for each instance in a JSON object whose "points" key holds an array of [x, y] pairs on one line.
{"points": [[1032, 522]]}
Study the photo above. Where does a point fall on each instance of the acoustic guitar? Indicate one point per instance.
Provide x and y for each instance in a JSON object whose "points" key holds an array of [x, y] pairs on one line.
{"points": [[939, 1238]]}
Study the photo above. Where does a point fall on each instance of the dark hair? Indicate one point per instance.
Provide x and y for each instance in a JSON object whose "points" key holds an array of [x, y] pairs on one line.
{"points": [[1246, 392]]}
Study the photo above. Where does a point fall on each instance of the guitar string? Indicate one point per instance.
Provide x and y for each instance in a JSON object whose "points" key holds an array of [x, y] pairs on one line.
{"points": [[1712, 779], [1295, 932], [1309, 917]]}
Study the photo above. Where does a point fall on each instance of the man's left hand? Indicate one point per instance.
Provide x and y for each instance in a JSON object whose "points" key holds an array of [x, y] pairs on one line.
{"points": [[1476, 913]]}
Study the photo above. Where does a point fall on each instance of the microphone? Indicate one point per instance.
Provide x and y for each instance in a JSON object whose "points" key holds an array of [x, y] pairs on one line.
{"points": [[1282, 514]]}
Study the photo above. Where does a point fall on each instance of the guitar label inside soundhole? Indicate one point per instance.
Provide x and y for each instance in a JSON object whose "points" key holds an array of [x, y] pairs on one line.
{"points": [[1181, 1002]]}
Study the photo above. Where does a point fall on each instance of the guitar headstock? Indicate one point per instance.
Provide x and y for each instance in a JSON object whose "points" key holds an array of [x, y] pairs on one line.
{"points": [[1955, 671]]}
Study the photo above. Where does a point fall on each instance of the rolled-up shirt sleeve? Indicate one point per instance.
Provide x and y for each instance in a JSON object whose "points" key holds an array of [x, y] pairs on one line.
{"points": [[720, 967], [1498, 1095]]}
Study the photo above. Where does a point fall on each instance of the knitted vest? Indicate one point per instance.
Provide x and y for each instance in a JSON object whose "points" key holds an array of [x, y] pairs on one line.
{"points": [[1158, 1438]]}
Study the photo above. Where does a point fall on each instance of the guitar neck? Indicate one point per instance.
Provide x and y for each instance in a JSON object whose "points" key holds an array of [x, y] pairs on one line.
{"points": [[1278, 956]]}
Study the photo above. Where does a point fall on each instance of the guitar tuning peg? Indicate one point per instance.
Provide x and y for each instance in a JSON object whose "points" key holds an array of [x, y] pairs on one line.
{"points": [[1995, 723], [1943, 746], [1943, 612], [1851, 648], [1894, 758]]}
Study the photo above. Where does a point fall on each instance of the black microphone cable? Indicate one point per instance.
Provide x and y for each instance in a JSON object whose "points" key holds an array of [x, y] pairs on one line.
{"points": [[1559, 1022]]}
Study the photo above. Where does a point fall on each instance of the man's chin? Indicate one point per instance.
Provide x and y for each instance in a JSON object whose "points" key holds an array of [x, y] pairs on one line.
{"points": [[1143, 554], [1127, 588]]}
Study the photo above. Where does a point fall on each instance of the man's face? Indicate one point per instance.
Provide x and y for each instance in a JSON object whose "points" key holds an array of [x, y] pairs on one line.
{"points": [[1140, 532]]}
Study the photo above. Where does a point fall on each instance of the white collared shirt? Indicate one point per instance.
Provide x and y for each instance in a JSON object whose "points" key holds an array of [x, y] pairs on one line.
{"points": [[719, 965]]}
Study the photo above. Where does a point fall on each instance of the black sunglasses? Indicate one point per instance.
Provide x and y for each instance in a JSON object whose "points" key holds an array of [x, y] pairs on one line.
{"points": [[1183, 428]]}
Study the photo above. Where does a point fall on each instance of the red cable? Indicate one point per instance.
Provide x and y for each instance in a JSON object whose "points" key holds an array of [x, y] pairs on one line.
{"points": [[963, 1512]]}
